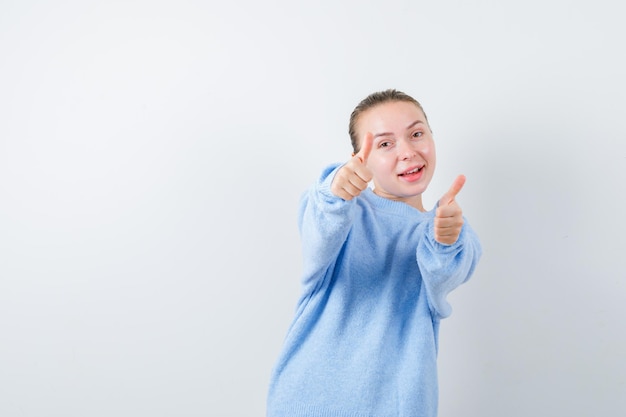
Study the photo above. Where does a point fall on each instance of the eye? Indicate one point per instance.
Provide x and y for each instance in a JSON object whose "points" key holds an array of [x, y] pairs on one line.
{"points": [[384, 144], [417, 134]]}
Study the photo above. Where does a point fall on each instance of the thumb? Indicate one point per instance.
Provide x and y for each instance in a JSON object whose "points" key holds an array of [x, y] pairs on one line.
{"points": [[453, 191], [366, 147]]}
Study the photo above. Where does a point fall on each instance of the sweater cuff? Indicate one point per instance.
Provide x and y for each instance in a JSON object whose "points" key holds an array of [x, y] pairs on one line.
{"points": [[326, 180]]}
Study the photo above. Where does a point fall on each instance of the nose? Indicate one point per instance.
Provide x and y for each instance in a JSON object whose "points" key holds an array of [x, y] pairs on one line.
{"points": [[406, 152]]}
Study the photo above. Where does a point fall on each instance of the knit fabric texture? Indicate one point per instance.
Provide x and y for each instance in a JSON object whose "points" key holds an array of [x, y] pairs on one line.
{"points": [[363, 342]]}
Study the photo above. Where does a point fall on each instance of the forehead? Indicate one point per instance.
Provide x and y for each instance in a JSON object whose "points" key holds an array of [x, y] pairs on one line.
{"points": [[389, 116]]}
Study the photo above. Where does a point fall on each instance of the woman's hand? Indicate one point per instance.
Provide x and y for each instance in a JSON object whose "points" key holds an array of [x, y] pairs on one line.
{"points": [[354, 176], [449, 216]]}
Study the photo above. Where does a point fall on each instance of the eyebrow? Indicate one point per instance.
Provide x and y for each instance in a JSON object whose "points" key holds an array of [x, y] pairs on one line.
{"points": [[412, 125]]}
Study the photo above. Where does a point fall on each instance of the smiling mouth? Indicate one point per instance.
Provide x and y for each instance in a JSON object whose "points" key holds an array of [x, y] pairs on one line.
{"points": [[412, 171]]}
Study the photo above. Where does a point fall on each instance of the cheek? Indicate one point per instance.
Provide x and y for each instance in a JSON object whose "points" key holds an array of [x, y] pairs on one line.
{"points": [[432, 157], [427, 149], [378, 162]]}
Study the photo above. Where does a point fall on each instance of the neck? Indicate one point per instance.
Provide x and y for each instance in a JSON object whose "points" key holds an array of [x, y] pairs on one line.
{"points": [[414, 201]]}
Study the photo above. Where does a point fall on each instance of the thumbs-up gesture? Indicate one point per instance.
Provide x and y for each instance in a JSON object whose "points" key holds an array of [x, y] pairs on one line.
{"points": [[353, 177], [449, 216]]}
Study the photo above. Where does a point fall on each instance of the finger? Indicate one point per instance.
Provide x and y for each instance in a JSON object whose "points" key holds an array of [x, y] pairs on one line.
{"points": [[457, 185], [447, 240], [363, 173], [343, 194], [446, 223], [356, 167], [358, 183], [349, 191], [451, 209], [366, 147]]}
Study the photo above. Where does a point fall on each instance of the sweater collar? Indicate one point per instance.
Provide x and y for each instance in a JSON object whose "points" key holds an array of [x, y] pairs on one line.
{"points": [[394, 207]]}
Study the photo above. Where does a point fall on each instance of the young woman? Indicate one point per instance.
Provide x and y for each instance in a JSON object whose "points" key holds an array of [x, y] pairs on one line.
{"points": [[377, 270]]}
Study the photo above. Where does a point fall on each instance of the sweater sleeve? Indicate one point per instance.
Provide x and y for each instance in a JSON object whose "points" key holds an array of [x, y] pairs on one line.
{"points": [[445, 267], [324, 222]]}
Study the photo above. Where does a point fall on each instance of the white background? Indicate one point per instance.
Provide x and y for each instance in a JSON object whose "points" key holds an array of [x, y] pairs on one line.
{"points": [[152, 154]]}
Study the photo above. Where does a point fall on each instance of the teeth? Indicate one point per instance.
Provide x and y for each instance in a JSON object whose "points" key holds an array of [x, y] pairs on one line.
{"points": [[413, 171]]}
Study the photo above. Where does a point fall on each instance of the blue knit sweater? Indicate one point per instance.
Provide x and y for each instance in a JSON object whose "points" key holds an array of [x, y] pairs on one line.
{"points": [[363, 342]]}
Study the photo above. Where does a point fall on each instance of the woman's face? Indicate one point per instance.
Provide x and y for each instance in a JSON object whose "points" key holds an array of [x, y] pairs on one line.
{"points": [[402, 159]]}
